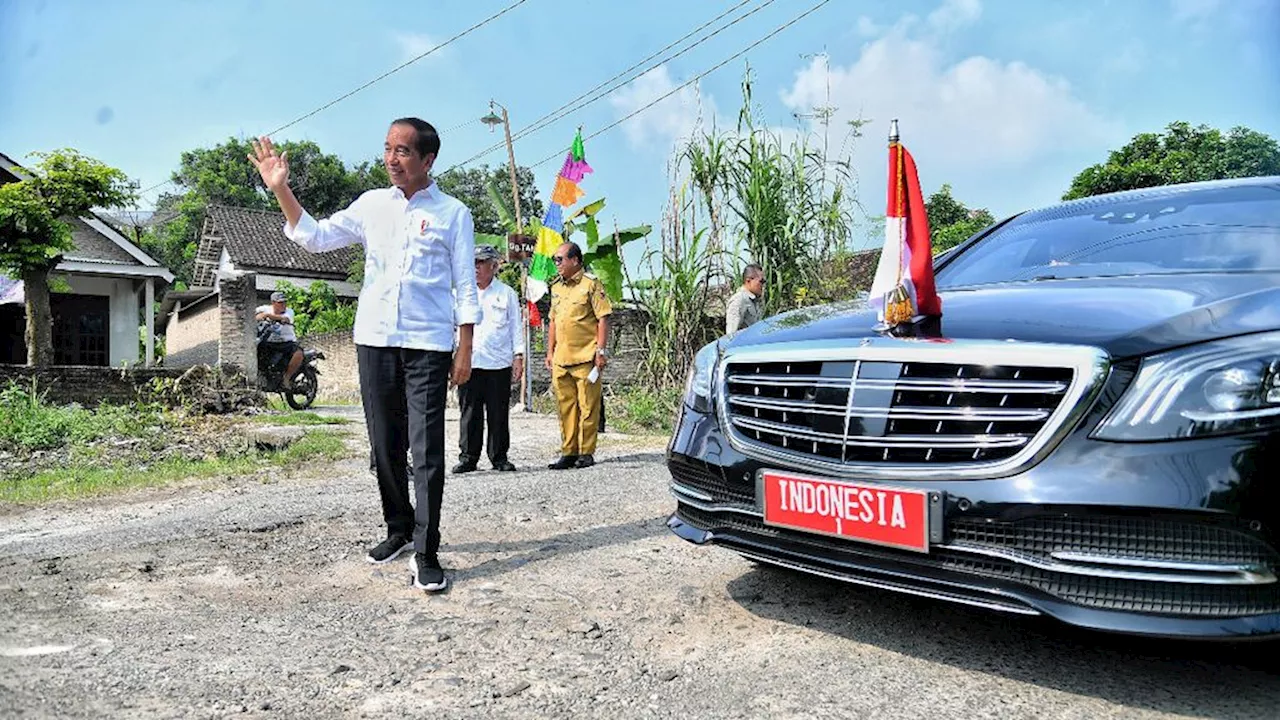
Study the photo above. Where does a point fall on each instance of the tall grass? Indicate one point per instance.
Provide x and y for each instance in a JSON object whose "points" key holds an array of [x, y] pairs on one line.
{"points": [[676, 300], [753, 194]]}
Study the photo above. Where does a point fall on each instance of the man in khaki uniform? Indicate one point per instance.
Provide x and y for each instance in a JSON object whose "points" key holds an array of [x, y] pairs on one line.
{"points": [[575, 348]]}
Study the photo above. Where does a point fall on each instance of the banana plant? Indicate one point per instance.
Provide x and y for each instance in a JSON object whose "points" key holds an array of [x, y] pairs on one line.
{"points": [[602, 256]]}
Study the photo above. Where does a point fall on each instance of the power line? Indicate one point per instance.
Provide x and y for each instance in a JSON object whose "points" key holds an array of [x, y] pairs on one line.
{"points": [[400, 67], [573, 105], [459, 126], [696, 78], [381, 77]]}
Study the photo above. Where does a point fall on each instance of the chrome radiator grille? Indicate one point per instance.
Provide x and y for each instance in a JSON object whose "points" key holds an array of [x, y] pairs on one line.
{"points": [[891, 412]]}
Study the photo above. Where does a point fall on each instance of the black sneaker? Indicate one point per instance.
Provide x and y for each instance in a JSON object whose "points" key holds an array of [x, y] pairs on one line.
{"points": [[585, 461], [564, 463], [427, 573], [463, 467], [389, 549], [504, 466]]}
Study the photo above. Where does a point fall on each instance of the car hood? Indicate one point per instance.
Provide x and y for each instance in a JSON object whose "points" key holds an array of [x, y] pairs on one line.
{"points": [[1125, 316]]}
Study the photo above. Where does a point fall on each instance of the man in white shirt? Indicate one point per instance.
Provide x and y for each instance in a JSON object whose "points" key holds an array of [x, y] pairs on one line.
{"points": [[497, 361], [281, 341], [419, 276]]}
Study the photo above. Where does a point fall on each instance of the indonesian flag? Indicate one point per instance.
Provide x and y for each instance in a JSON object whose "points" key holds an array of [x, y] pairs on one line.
{"points": [[903, 288]]}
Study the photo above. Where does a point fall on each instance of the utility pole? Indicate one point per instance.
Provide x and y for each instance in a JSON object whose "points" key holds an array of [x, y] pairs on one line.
{"points": [[526, 386], [823, 115]]}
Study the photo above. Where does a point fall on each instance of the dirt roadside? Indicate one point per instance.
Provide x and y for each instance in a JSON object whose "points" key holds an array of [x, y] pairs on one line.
{"points": [[251, 599]]}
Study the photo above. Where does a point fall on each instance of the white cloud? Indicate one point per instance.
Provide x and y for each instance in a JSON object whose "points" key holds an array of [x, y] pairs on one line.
{"points": [[1194, 11], [414, 44], [1003, 133], [1200, 16], [964, 120], [955, 14], [868, 27], [672, 119], [1131, 58]]}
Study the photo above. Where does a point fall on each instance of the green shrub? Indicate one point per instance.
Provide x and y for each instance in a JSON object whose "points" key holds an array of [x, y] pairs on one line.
{"points": [[29, 423], [642, 410]]}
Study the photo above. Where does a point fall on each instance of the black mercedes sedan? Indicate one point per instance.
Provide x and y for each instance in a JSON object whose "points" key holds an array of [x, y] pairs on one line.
{"points": [[1091, 431]]}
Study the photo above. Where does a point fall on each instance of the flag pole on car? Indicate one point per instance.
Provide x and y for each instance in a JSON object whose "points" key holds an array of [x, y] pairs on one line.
{"points": [[903, 290]]}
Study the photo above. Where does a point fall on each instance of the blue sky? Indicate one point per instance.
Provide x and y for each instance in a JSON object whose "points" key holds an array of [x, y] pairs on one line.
{"points": [[1003, 99]]}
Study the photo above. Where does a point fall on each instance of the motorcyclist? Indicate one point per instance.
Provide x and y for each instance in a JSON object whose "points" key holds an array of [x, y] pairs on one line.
{"points": [[281, 341]]}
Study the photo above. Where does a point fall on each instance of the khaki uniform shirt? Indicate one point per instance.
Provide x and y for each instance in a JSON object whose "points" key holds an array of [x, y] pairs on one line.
{"points": [[742, 312], [577, 304]]}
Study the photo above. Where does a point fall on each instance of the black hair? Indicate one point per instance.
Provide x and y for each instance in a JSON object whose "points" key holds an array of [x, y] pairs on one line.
{"points": [[751, 271], [428, 140], [574, 252]]}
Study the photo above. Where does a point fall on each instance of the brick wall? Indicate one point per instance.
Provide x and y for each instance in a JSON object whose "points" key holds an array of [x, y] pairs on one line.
{"points": [[86, 385], [191, 337], [626, 351], [228, 322], [339, 373], [237, 341]]}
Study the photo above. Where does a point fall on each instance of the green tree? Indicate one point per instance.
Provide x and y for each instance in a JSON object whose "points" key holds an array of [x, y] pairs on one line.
{"points": [[317, 309], [1181, 153], [471, 186], [222, 175], [950, 221], [34, 232], [322, 182]]}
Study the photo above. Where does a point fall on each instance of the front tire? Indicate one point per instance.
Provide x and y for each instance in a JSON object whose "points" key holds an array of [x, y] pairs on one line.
{"points": [[303, 392]]}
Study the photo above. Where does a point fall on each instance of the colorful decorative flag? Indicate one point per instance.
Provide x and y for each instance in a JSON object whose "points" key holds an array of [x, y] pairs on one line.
{"points": [[903, 288], [565, 194]]}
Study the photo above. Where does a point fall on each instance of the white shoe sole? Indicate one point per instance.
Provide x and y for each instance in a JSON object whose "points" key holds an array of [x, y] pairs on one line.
{"points": [[432, 587], [390, 557]]}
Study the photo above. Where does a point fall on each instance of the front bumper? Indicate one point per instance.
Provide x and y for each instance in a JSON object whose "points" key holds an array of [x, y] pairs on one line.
{"points": [[1203, 508]]}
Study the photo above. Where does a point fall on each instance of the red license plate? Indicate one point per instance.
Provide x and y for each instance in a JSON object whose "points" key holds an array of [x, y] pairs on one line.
{"points": [[896, 517]]}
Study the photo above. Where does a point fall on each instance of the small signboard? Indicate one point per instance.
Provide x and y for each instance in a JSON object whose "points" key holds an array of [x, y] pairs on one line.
{"points": [[520, 247]]}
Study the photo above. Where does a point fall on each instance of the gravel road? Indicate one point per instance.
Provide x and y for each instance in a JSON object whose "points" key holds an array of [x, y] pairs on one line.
{"points": [[238, 597]]}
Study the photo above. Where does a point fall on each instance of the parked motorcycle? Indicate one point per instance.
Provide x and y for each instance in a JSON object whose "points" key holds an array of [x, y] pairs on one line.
{"points": [[306, 382]]}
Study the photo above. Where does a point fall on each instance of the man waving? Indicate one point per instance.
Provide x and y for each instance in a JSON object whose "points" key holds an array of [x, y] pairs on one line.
{"points": [[419, 245]]}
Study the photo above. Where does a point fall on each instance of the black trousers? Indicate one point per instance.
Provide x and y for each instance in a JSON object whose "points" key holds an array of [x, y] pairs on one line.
{"points": [[404, 393], [488, 392]]}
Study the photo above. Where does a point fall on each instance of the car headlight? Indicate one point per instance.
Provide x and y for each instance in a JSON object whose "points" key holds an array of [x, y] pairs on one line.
{"points": [[697, 390], [1213, 388]]}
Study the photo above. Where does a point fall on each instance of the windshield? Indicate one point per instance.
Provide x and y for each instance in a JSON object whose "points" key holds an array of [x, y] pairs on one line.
{"points": [[1230, 229]]}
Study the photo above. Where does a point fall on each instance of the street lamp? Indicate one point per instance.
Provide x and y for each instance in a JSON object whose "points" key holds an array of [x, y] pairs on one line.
{"points": [[493, 120]]}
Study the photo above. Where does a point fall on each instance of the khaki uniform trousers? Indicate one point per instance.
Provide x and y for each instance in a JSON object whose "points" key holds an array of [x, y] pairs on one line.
{"points": [[578, 401]]}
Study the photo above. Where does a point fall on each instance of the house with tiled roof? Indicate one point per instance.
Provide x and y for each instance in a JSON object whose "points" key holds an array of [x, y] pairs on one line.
{"points": [[240, 240], [101, 286]]}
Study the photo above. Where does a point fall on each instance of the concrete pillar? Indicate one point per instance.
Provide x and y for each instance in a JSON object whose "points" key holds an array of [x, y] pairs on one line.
{"points": [[149, 301], [237, 339]]}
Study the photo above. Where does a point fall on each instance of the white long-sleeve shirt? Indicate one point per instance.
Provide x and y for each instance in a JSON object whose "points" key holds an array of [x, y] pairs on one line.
{"points": [[499, 336], [419, 267]]}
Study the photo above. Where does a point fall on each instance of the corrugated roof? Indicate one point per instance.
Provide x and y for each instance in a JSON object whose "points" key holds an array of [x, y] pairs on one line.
{"points": [[254, 241]]}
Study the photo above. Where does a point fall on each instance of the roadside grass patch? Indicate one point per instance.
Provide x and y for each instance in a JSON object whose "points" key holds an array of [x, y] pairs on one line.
{"points": [[50, 451], [633, 410], [642, 411], [85, 479], [28, 423]]}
